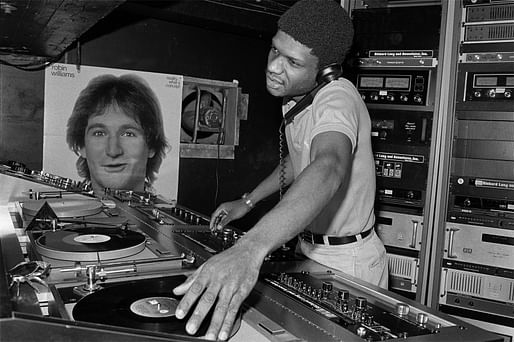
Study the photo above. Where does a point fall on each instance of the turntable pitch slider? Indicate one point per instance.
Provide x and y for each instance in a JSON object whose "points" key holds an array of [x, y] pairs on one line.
{"points": [[101, 272]]}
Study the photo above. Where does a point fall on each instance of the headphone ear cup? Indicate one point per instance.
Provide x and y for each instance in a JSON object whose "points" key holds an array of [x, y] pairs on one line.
{"points": [[325, 76], [329, 73]]}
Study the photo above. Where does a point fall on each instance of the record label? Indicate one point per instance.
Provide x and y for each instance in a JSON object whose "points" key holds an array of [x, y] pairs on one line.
{"points": [[92, 238], [154, 307]]}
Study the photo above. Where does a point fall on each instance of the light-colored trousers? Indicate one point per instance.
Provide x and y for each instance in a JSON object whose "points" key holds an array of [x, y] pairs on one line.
{"points": [[364, 259]]}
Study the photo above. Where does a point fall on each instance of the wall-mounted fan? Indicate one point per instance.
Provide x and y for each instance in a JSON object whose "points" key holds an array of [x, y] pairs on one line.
{"points": [[203, 115]]}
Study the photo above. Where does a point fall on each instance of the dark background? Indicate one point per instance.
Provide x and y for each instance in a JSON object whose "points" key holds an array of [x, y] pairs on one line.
{"points": [[156, 40]]}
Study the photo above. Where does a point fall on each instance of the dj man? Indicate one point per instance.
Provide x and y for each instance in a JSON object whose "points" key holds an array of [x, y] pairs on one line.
{"points": [[330, 169], [116, 130]]}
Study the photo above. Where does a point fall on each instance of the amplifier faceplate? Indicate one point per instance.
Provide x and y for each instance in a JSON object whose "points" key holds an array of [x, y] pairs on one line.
{"points": [[481, 245]]}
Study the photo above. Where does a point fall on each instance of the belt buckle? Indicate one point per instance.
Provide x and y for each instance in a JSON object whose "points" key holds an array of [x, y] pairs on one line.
{"points": [[308, 237]]}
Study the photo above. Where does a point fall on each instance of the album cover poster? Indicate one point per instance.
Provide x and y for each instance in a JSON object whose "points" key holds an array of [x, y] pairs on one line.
{"points": [[64, 83]]}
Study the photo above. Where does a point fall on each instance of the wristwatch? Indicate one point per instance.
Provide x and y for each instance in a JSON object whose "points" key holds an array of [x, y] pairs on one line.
{"points": [[248, 201]]}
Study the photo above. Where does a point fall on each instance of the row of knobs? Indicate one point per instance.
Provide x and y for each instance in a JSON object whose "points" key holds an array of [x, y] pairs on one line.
{"points": [[358, 314], [323, 293], [491, 93], [186, 216], [486, 57], [364, 61], [182, 214], [403, 310], [48, 178], [391, 98]]}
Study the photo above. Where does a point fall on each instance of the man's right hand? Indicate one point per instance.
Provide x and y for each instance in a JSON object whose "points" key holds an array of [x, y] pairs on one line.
{"points": [[223, 282], [228, 212]]}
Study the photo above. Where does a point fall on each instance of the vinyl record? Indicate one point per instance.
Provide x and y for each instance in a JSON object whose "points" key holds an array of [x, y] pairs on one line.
{"points": [[90, 243], [142, 304]]}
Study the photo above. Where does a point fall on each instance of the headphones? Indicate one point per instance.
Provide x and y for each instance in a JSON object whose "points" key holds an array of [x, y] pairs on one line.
{"points": [[325, 76]]}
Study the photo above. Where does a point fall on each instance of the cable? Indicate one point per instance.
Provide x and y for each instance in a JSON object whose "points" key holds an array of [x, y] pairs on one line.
{"points": [[282, 165], [217, 178]]}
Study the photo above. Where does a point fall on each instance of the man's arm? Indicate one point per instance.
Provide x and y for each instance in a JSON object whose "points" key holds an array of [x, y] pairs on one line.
{"points": [[308, 195], [270, 184], [227, 278], [230, 211]]}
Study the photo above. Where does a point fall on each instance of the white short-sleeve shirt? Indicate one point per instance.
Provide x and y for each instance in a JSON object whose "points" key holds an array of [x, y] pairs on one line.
{"points": [[338, 107]]}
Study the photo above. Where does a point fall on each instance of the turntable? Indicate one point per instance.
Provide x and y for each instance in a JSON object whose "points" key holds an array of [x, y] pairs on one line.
{"points": [[78, 229], [80, 243], [73, 231], [146, 305]]}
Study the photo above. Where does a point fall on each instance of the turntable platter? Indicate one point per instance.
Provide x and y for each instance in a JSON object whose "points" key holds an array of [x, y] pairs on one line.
{"points": [[141, 304], [90, 243], [65, 207]]}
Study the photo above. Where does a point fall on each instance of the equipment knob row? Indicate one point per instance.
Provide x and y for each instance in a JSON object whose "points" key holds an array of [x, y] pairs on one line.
{"points": [[491, 93]]}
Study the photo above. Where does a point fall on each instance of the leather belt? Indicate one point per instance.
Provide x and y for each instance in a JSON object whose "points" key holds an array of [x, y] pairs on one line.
{"points": [[332, 240]]}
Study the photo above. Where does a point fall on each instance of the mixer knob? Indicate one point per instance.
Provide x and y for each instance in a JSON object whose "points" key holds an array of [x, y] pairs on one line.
{"points": [[319, 294], [361, 302], [227, 232], [343, 295], [507, 94], [404, 98], [467, 202], [327, 286], [402, 309], [477, 93], [491, 93], [382, 134], [418, 98], [390, 97], [374, 97], [422, 318]]}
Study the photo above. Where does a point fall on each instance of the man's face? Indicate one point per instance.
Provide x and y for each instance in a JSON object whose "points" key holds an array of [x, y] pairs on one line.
{"points": [[291, 69], [116, 151]]}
